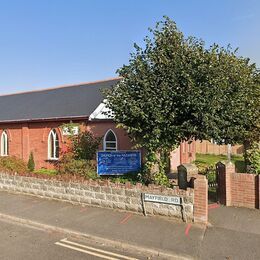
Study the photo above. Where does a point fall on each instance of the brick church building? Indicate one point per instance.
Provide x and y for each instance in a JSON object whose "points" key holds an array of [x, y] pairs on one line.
{"points": [[31, 122]]}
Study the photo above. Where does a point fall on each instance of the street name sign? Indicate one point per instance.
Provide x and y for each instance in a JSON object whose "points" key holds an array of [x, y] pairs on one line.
{"points": [[162, 199]]}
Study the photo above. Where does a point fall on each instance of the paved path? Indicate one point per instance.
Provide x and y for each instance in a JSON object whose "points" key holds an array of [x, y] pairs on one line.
{"points": [[233, 233]]}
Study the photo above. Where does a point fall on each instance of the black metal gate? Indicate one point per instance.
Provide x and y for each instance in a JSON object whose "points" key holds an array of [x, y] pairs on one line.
{"points": [[212, 177]]}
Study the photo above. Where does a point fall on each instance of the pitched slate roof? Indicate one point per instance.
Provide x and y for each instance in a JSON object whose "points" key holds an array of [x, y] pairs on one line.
{"points": [[63, 102]]}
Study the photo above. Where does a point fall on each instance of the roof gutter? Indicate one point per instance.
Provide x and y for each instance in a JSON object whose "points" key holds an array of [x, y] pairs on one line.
{"points": [[49, 119]]}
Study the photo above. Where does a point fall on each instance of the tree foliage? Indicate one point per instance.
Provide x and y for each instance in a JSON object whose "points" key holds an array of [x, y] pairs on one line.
{"points": [[176, 89]]}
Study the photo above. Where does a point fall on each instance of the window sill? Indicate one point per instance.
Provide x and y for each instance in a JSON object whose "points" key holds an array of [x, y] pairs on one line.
{"points": [[52, 159]]}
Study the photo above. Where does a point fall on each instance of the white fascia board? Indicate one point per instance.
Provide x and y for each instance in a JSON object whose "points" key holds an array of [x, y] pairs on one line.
{"points": [[98, 113]]}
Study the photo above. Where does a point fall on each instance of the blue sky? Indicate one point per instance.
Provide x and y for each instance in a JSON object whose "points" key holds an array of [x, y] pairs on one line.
{"points": [[46, 43]]}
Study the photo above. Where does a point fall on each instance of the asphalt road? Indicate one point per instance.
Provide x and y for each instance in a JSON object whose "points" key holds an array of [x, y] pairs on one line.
{"points": [[24, 242]]}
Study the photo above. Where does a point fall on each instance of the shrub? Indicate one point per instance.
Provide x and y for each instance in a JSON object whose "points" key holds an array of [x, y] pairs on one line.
{"points": [[31, 164], [161, 179], [85, 145], [13, 164], [202, 167], [69, 165], [207, 169]]}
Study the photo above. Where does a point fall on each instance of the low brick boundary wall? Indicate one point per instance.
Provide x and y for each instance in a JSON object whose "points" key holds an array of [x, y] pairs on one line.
{"points": [[101, 193], [237, 189]]}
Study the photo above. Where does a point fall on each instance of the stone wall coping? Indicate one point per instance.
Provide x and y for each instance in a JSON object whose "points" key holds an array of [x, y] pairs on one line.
{"points": [[76, 180]]}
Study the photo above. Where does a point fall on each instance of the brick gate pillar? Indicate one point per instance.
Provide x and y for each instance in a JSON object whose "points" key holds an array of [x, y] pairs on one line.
{"points": [[200, 199], [224, 172]]}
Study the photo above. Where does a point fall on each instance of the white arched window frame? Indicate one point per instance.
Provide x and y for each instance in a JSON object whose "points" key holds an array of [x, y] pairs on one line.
{"points": [[4, 144], [110, 141], [53, 145]]}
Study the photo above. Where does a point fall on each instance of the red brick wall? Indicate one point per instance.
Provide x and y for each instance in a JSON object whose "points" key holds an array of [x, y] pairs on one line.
{"points": [[33, 137], [99, 128], [244, 190], [175, 159], [237, 189], [188, 152]]}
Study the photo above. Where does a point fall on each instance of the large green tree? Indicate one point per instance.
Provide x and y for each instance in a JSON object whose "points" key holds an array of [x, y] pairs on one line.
{"points": [[175, 89]]}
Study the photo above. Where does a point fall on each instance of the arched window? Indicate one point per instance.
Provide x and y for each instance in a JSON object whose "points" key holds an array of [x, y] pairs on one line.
{"points": [[53, 145], [4, 144], [110, 141]]}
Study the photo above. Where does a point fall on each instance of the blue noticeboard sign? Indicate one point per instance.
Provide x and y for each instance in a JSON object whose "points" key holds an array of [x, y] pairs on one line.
{"points": [[118, 162]]}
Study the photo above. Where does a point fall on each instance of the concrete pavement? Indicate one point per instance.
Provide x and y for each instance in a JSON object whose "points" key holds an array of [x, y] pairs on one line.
{"points": [[233, 233], [230, 234]]}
